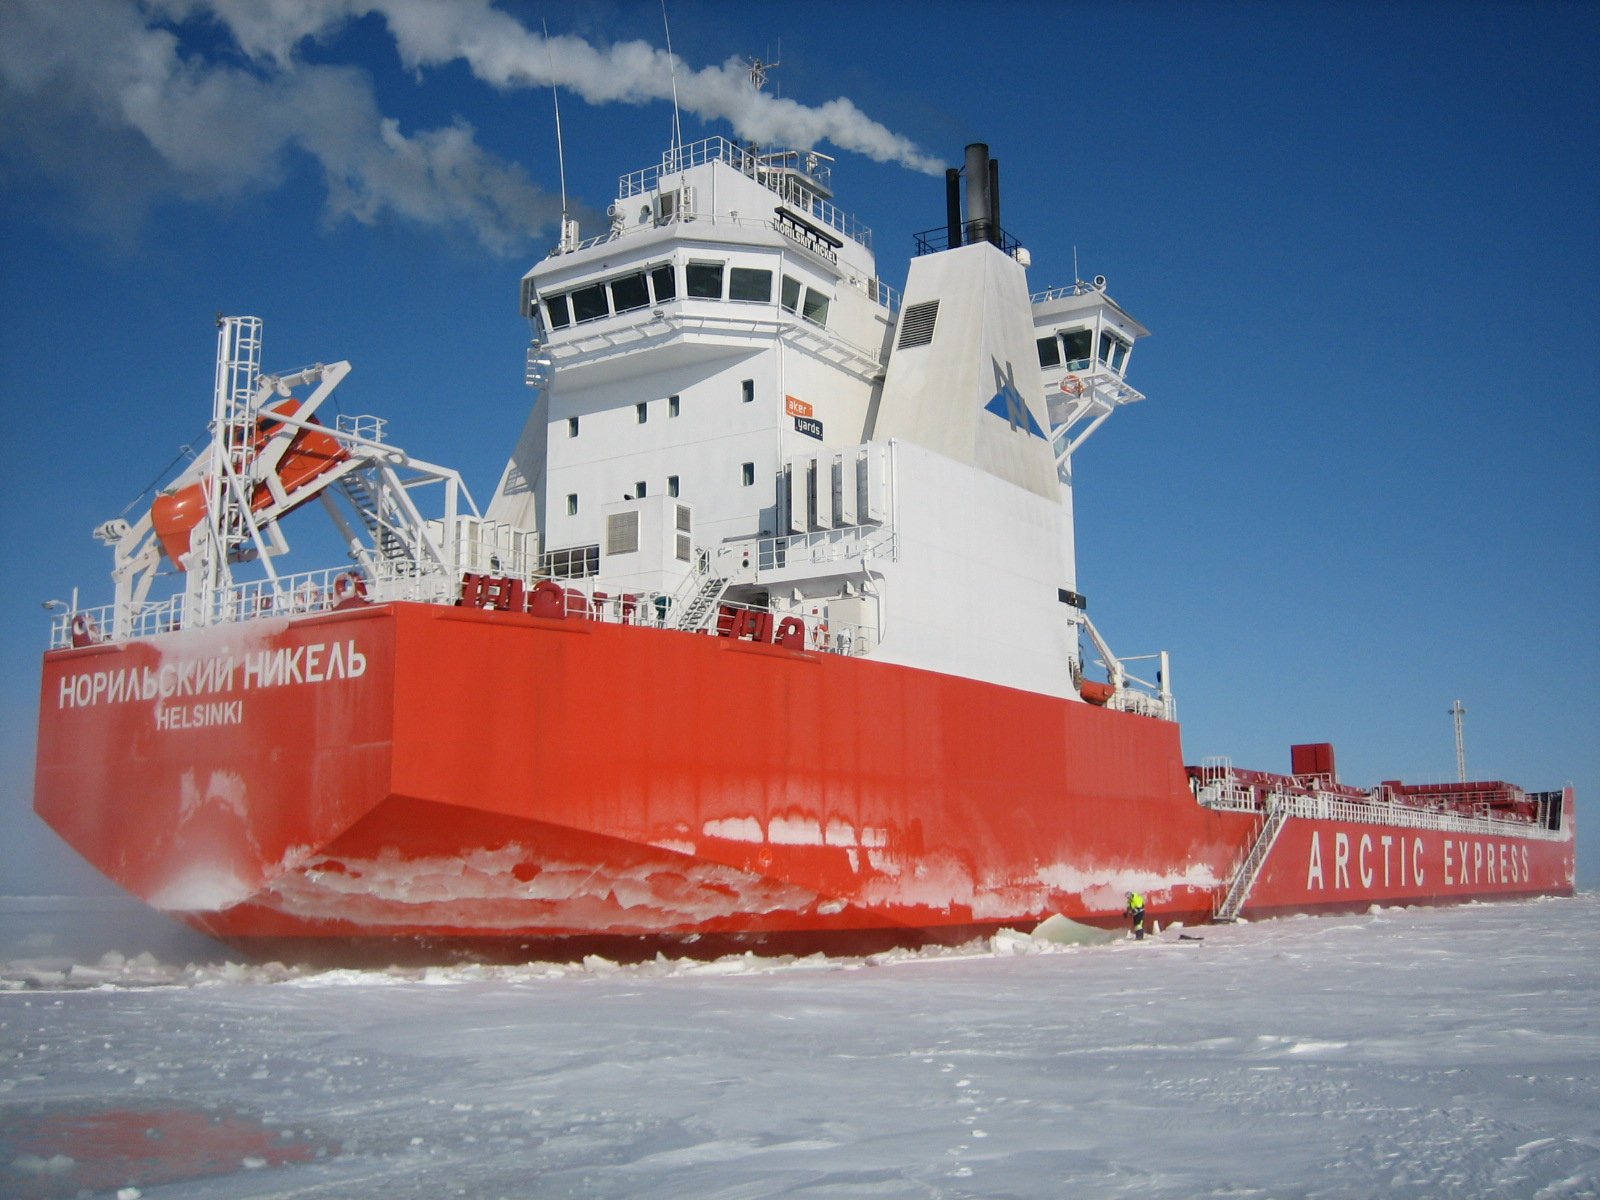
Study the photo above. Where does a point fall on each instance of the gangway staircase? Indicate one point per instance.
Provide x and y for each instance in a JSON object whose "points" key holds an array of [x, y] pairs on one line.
{"points": [[698, 606], [1244, 878]]}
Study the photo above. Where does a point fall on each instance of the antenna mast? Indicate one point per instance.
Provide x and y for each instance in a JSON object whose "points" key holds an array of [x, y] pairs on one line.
{"points": [[672, 62], [569, 227], [1457, 711]]}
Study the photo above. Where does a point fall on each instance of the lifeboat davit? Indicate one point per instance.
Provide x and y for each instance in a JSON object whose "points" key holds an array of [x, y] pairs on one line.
{"points": [[311, 454]]}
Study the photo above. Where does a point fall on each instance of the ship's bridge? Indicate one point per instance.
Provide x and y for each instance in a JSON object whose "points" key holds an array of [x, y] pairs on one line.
{"points": [[1085, 341]]}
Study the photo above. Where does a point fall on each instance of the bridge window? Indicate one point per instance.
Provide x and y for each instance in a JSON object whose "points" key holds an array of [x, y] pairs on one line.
{"points": [[629, 292], [1113, 351], [816, 307], [590, 303], [1049, 351], [1079, 347], [665, 282], [704, 280], [560, 314], [791, 293], [749, 283]]}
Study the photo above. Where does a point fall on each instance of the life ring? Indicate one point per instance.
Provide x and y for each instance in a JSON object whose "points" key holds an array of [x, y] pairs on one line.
{"points": [[1072, 385], [84, 630], [349, 588]]}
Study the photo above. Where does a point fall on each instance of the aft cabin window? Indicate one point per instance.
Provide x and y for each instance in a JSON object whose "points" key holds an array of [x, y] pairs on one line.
{"points": [[572, 505], [791, 293], [639, 490], [1113, 351], [748, 474], [560, 314], [672, 485], [589, 303], [1079, 346], [572, 426], [816, 307], [704, 280], [642, 411], [665, 282], [674, 406], [1049, 352], [748, 390], [748, 283], [629, 292]]}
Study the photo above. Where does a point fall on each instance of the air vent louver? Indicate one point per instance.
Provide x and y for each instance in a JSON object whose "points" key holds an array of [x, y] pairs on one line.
{"points": [[622, 533], [916, 324]]}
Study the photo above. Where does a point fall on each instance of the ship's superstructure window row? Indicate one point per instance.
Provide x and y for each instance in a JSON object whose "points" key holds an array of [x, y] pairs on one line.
{"points": [[703, 280], [1074, 348]]}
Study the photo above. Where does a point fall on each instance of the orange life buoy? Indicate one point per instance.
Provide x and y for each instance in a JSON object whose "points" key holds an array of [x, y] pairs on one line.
{"points": [[1072, 385], [84, 630], [349, 588]]}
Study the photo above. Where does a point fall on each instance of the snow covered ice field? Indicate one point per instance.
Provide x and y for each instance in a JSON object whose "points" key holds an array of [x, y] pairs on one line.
{"points": [[1409, 1053]]}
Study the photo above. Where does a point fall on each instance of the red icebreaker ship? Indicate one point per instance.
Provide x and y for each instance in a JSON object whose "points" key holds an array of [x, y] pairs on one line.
{"points": [[771, 635]]}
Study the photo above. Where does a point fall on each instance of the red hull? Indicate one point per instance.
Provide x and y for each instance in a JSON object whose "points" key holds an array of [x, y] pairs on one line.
{"points": [[411, 772]]}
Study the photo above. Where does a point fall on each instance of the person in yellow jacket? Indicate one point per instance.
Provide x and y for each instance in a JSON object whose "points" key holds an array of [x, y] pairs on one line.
{"points": [[1135, 912]]}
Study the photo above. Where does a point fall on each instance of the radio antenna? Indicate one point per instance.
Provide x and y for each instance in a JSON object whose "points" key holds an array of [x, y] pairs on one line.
{"points": [[561, 153], [677, 125]]}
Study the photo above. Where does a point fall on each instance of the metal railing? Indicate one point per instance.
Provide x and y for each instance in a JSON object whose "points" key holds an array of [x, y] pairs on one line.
{"points": [[783, 181], [1219, 788]]}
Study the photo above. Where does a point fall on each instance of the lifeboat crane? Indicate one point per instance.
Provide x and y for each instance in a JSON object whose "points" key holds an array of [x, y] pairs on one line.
{"points": [[270, 454]]}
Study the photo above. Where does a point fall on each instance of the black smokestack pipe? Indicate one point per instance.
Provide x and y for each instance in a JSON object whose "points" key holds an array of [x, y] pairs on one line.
{"points": [[995, 235], [979, 218], [952, 206]]}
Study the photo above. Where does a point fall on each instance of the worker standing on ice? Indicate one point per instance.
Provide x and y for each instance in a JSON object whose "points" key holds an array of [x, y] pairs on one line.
{"points": [[1135, 912]]}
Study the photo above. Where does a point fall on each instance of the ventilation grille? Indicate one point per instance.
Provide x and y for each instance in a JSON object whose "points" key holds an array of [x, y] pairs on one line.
{"points": [[916, 324], [622, 532], [683, 518], [683, 547]]}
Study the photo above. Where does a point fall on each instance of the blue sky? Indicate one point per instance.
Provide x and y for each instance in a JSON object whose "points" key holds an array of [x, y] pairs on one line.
{"points": [[1364, 235]]}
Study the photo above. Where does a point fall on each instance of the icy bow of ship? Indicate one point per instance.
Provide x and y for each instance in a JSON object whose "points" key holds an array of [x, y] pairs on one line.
{"points": [[771, 630]]}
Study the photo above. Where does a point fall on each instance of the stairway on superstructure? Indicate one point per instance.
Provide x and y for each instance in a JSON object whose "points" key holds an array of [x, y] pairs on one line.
{"points": [[699, 606], [369, 506]]}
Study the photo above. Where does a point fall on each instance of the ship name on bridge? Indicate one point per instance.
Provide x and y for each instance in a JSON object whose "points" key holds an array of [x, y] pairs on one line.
{"points": [[316, 662]]}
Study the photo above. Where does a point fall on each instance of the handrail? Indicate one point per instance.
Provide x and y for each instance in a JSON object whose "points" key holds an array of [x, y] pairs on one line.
{"points": [[784, 181], [1220, 789]]}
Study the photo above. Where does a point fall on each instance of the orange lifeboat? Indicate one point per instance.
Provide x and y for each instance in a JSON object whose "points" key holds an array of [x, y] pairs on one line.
{"points": [[311, 453]]}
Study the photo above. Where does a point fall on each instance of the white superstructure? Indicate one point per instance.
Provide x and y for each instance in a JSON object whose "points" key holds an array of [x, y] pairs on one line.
{"points": [[733, 409]]}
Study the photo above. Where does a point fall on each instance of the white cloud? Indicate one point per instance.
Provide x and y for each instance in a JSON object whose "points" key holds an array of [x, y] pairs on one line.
{"points": [[154, 116]]}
